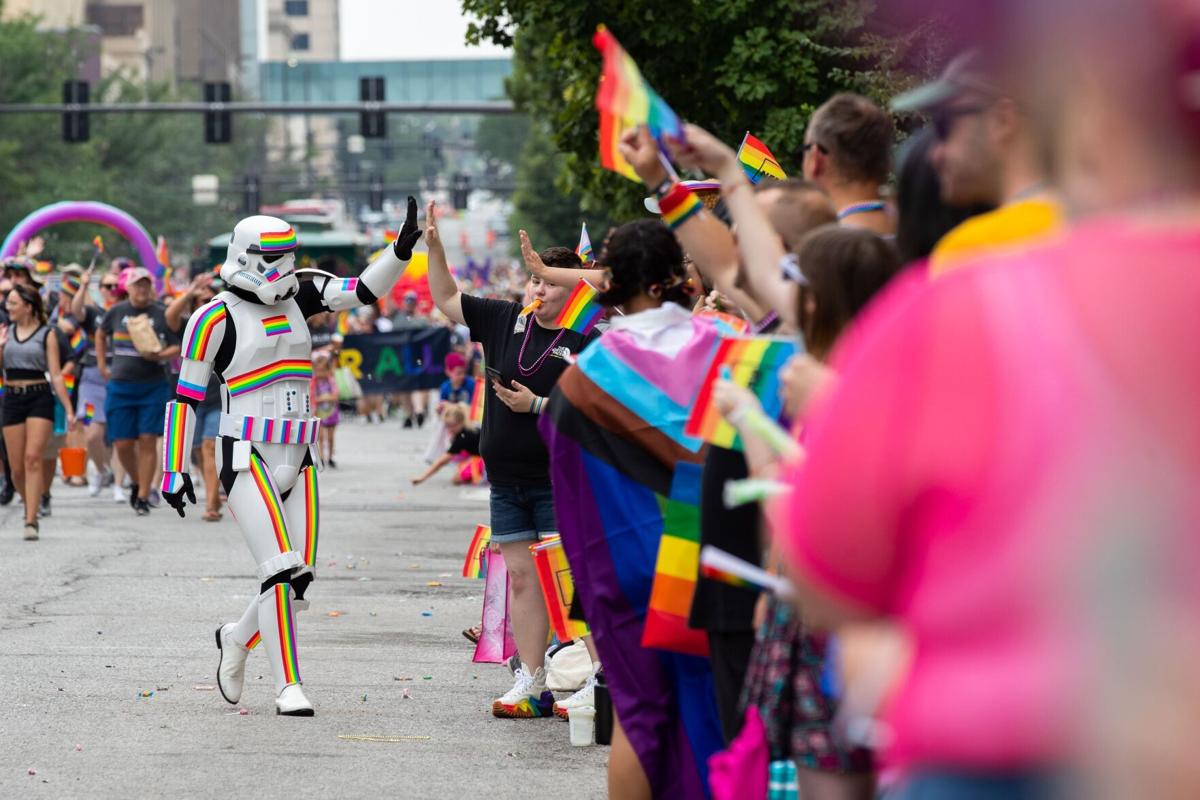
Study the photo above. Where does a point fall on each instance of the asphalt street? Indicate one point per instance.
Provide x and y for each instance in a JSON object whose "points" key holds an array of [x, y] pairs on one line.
{"points": [[108, 662]]}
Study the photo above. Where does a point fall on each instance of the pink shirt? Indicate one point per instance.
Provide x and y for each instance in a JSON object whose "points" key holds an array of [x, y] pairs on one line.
{"points": [[1002, 443]]}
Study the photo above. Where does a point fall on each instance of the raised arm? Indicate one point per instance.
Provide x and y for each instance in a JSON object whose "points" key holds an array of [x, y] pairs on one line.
{"points": [[342, 294], [201, 340], [80, 301], [559, 276], [446, 295]]}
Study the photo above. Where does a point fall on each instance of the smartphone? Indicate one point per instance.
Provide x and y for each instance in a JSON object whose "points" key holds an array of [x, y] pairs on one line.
{"points": [[495, 375]]}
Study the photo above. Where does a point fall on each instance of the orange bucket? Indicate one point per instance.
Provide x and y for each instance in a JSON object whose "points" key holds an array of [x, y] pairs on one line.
{"points": [[74, 462]]}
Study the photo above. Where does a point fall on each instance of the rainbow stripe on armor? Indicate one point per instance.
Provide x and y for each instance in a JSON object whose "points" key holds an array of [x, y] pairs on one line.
{"points": [[274, 241], [311, 516], [277, 325], [287, 369], [254, 640], [287, 632], [196, 347], [270, 497], [174, 434]]}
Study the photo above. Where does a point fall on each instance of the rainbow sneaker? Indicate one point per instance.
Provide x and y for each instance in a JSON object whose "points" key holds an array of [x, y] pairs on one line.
{"points": [[528, 697]]}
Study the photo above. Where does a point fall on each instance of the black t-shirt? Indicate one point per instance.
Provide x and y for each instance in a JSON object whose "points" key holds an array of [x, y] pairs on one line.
{"points": [[127, 362], [465, 441], [510, 444]]}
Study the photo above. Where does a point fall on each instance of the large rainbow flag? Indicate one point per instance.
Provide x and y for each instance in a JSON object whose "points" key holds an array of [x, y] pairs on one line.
{"points": [[614, 432], [753, 362], [625, 100], [676, 568]]}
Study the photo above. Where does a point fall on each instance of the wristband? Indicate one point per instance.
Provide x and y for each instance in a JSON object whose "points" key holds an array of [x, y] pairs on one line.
{"points": [[679, 205]]}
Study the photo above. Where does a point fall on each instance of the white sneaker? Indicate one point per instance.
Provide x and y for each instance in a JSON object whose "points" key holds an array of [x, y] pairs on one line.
{"points": [[528, 697], [292, 702], [119, 495], [231, 668], [586, 696], [95, 479]]}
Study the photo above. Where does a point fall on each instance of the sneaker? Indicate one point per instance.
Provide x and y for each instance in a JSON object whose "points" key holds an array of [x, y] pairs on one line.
{"points": [[133, 495], [107, 479], [44, 506], [119, 495], [141, 506], [586, 696], [31, 531], [528, 697], [6, 493], [95, 484], [155, 498]]}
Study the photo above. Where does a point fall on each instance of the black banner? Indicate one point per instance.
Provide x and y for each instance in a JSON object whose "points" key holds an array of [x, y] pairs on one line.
{"points": [[399, 361]]}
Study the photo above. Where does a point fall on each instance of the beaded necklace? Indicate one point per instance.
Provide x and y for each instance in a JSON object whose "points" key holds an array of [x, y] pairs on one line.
{"points": [[527, 371]]}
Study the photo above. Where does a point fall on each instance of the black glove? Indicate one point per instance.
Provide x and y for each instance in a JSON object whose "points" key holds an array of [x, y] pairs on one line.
{"points": [[409, 234], [175, 499]]}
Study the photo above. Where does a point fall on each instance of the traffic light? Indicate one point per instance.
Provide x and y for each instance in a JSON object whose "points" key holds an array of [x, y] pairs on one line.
{"points": [[459, 191], [218, 125], [250, 198], [75, 123], [372, 124], [375, 192]]}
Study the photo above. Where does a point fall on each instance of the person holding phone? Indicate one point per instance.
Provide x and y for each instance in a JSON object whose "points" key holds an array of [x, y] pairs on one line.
{"points": [[525, 353]]}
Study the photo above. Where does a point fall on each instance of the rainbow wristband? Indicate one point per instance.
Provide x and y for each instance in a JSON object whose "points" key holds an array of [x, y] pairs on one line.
{"points": [[679, 205]]}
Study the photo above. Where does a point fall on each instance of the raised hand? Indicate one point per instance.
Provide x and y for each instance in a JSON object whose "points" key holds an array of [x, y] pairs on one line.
{"points": [[638, 147], [433, 238], [409, 233], [532, 260], [704, 152]]}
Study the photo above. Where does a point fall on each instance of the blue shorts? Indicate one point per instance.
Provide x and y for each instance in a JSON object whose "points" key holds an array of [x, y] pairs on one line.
{"points": [[208, 424], [522, 514], [135, 409]]}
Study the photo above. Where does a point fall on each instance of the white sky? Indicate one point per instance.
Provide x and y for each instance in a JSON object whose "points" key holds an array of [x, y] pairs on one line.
{"points": [[394, 30]]}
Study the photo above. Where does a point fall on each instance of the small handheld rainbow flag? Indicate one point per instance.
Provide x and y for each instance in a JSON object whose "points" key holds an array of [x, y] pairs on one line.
{"points": [[624, 100], [757, 160], [584, 248], [729, 323], [558, 588], [89, 413], [98, 243], [163, 255], [473, 565], [475, 417], [717, 565], [581, 311], [752, 362], [343, 323], [78, 341]]}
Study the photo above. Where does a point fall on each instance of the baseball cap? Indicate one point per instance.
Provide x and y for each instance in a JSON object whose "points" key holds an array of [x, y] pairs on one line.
{"points": [[411, 295], [704, 189], [455, 360], [135, 274], [966, 73]]}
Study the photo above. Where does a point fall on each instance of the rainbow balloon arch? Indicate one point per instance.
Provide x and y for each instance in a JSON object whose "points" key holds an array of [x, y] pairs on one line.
{"points": [[85, 211]]}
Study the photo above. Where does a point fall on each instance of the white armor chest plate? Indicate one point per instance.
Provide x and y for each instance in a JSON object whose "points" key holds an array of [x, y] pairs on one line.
{"points": [[272, 362]]}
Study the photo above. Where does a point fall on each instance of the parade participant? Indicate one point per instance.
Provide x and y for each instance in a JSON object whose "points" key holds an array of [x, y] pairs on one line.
{"points": [[525, 353], [29, 353], [324, 392], [254, 336], [137, 380], [93, 388]]}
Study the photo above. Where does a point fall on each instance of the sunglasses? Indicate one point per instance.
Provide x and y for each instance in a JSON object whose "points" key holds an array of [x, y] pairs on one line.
{"points": [[943, 119], [108, 287]]}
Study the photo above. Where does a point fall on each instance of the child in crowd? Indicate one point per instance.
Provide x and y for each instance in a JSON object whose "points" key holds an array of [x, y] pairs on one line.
{"points": [[463, 449], [457, 388], [324, 393]]}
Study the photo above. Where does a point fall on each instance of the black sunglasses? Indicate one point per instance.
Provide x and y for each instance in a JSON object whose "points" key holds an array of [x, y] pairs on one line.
{"points": [[943, 119], [108, 286]]}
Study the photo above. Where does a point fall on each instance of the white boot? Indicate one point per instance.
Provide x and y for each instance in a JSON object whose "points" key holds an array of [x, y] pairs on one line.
{"points": [[231, 669], [292, 702]]}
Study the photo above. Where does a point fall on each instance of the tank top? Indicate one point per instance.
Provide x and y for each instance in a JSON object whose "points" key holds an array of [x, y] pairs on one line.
{"points": [[26, 360]]}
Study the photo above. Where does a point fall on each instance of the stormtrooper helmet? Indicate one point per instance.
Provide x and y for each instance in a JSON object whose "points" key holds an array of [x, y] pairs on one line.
{"points": [[262, 259]]}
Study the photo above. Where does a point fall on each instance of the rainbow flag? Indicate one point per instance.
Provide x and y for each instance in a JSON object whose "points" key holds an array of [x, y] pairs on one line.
{"points": [[624, 100], [343, 323], [558, 590], [98, 243], [757, 160], [277, 325], [163, 255], [78, 341], [676, 568], [581, 310], [754, 363], [717, 565], [584, 248], [475, 564], [69, 381], [89, 413], [475, 417], [277, 241]]}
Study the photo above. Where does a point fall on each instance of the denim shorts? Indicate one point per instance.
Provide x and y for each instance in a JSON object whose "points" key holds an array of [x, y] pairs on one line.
{"points": [[208, 424], [135, 409], [522, 513]]}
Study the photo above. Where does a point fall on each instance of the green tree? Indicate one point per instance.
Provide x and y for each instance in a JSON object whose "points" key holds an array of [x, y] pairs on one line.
{"points": [[729, 66]]}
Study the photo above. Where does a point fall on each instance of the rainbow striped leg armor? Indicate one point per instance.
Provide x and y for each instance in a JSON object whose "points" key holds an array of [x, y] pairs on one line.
{"points": [[254, 337]]}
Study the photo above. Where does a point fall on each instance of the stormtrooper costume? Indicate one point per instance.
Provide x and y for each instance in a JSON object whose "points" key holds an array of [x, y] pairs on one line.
{"points": [[255, 336]]}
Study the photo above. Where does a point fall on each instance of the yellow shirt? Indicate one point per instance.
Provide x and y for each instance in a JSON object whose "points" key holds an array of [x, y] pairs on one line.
{"points": [[1019, 224]]}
